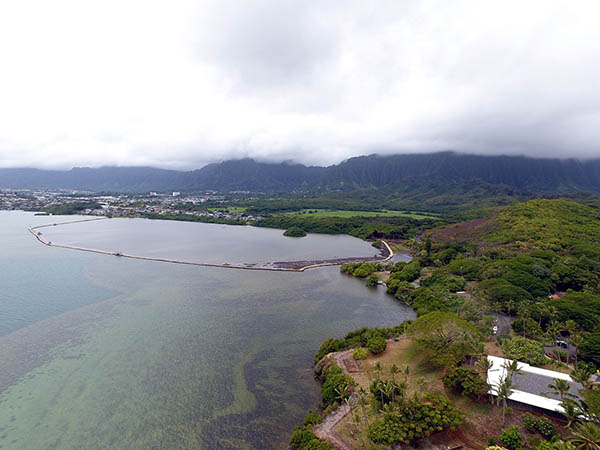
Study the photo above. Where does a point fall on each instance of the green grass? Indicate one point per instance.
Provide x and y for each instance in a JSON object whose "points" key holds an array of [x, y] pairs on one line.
{"points": [[349, 213], [230, 209]]}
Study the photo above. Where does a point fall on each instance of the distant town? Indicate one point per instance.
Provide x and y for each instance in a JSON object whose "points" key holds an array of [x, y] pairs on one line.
{"points": [[198, 206]]}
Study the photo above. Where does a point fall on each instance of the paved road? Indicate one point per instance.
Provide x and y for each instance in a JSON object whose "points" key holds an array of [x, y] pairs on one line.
{"points": [[504, 322]]}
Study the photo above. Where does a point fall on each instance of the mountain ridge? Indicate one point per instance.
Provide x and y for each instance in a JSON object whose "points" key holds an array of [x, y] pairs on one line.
{"points": [[361, 172]]}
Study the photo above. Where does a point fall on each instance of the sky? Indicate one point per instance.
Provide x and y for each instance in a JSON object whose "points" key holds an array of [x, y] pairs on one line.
{"points": [[179, 83]]}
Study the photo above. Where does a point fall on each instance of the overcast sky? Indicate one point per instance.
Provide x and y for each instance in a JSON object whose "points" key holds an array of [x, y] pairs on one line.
{"points": [[181, 83]]}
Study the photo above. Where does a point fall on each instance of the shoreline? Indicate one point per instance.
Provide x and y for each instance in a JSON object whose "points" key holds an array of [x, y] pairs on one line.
{"points": [[278, 266]]}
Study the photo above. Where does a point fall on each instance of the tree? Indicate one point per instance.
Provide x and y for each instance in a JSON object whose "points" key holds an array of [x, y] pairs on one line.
{"points": [[378, 368], [576, 339], [586, 436], [561, 388], [446, 337], [590, 348], [512, 367], [525, 350], [393, 371], [503, 392], [486, 365], [372, 280], [571, 410], [582, 374], [363, 402]]}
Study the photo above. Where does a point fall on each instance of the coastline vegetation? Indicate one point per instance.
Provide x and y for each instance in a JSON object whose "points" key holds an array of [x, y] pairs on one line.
{"points": [[537, 263], [294, 232]]}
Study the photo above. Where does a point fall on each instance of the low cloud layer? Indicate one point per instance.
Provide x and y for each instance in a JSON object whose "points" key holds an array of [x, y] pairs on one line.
{"points": [[184, 83]]}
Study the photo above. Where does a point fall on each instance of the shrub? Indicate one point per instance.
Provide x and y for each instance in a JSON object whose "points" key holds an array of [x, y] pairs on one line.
{"points": [[502, 338], [419, 419], [376, 344], [409, 272], [530, 422], [511, 438], [328, 346], [364, 270], [493, 447], [545, 427], [360, 353], [372, 280], [465, 381], [334, 382], [524, 350], [303, 439], [294, 232], [349, 268], [312, 418], [545, 445]]}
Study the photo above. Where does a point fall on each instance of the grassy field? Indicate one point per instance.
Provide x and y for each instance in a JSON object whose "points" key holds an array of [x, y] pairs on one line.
{"points": [[348, 213], [230, 209]]}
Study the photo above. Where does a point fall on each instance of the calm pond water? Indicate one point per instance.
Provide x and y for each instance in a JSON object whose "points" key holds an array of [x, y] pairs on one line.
{"points": [[98, 352], [199, 242]]}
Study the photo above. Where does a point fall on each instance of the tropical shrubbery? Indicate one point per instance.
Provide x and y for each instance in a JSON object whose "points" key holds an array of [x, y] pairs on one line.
{"points": [[360, 353], [304, 439], [511, 438], [376, 344], [465, 381], [539, 424], [336, 385], [416, 419], [358, 338], [525, 350]]}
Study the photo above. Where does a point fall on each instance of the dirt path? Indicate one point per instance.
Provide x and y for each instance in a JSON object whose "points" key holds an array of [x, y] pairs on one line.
{"points": [[326, 429]]}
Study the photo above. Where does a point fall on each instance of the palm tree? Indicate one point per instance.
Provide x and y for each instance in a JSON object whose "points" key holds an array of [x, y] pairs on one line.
{"points": [[561, 388], [512, 367], [406, 372], [510, 307], [363, 402], [571, 410], [586, 436], [504, 391], [389, 390], [554, 330], [394, 370], [522, 313], [563, 445], [486, 365], [402, 386], [570, 327], [576, 340], [378, 368], [582, 374]]}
